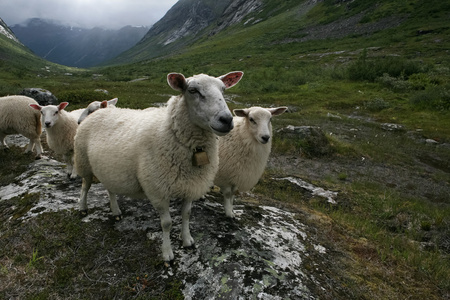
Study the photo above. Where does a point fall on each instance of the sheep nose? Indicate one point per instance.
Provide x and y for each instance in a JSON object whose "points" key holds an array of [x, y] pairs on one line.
{"points": [[47, 124], [226, 120], [265, 139]]}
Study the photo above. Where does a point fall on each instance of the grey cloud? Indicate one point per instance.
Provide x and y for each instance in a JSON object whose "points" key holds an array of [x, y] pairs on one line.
{"points": [[86, 13]]}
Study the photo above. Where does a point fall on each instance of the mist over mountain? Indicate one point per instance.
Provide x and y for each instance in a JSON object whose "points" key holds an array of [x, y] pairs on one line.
{"points": [[76, 47]]}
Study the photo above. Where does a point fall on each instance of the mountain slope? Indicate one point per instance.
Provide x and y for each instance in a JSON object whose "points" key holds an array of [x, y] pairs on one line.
{"points": [[240, 24], [15, 58], [76, 47], [187, 21]]}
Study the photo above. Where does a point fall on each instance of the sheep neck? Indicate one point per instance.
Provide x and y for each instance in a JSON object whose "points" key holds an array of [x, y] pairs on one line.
{"points": [[185, 132]]}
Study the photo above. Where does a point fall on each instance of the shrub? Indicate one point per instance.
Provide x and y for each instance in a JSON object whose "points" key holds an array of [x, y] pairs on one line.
{"points": [[435, 98], [364, 69], [377, 104], [420, 81], [397, 84], [81, 96]]}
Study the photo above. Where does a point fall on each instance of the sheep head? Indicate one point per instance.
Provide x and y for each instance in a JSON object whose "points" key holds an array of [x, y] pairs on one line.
{"points": [[204, 98], [50, 113], [258, 121], [93, 106]]}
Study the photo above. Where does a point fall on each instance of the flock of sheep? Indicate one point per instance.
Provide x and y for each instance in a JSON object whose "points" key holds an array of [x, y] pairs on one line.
{"points": [[178, 151]]}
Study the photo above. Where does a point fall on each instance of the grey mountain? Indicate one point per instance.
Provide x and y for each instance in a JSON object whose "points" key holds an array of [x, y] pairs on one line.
{"points": [[76, 47]]}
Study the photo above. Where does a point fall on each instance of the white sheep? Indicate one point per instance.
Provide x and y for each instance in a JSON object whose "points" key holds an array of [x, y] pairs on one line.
{"points": [[16, 117], [60, 127], [82, 113], [161, 153], [243, 153]]}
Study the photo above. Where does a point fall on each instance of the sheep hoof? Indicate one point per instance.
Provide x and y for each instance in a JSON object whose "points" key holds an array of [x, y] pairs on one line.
{"points": [[117, 218], [168, 264], [191, 247], [83, 213]]}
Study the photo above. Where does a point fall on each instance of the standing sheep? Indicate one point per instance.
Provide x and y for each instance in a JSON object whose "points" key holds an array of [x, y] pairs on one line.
{"points": [[16, 117], [244, 152], [61, 128], [161, 153], [82, 113]]}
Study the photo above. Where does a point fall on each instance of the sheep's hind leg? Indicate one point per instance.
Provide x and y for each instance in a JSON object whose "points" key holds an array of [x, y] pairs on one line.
{"points": [[71, 173], [30, 146], [85, 186], [188, 241], [38, 145], [117, 213], [228, 198]]}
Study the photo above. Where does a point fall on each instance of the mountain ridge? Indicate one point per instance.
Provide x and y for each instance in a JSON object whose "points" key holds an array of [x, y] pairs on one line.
{"points": [[74, 46], [186, 22]]}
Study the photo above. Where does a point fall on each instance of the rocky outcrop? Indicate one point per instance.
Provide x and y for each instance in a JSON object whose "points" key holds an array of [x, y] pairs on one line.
{"points": [[6, 31], [264, 253], [43, 97], [189, 18]]}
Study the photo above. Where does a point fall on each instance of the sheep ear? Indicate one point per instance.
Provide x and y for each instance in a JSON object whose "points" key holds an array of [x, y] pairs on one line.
{"points": [[104, 104], [241, 112], [231, 78], [113, 101], [177, 81], [62, 105], [36, 106], [277, 111]]}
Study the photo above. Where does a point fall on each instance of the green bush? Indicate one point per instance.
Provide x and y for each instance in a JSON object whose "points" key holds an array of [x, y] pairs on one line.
{"points": [[435, 98], [365, 69], [81, 96], [420, 81], [396, 84], [377, 104]]}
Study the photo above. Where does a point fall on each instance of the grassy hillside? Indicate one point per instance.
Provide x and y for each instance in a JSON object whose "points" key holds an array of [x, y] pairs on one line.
{"points": [[347, 67], [19, 65]]}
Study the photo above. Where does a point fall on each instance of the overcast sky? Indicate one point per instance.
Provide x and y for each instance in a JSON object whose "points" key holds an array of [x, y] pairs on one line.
{"points": [[111, 14]]}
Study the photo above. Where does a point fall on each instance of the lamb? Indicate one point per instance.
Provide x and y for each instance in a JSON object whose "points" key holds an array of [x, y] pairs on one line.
{"points": [[244, 152], [61, 128], [93, 106], [163, 153], [16, 117]]}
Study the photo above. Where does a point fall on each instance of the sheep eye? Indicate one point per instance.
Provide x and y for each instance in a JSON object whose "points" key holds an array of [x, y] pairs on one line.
{"points": [[253, 121], [192, 91]]}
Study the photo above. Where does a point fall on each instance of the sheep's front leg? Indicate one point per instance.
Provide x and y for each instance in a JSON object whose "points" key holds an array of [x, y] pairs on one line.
{"points": [[188, 241], [2, 140], [166, 224], [228, 198], [85, 186], [117, 213]]}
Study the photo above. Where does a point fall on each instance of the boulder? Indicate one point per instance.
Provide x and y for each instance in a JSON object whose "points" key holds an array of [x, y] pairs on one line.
{"points": [[309, 140], [43, 97]]}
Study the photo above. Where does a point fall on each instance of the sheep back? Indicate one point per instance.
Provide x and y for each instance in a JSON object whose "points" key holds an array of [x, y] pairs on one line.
{"points": [[146, 153], [17, 117]]}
